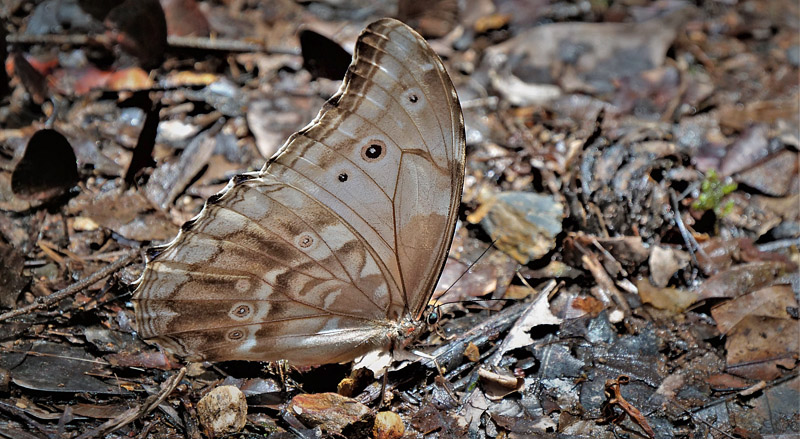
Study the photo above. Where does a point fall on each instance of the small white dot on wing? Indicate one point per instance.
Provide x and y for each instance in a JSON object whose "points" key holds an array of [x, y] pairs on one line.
{"points": [[242, 285]]}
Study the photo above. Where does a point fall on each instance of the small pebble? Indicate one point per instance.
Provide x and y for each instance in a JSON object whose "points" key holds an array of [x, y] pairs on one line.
{"points": [[223, 411], [388, 425]]}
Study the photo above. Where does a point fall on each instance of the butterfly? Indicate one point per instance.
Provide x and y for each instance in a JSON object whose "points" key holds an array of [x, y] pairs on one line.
{"points": [[334, 248]]}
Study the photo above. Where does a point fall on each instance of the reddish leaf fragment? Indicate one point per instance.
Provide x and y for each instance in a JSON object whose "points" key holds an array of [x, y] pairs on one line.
{"points": [[775, 301], [760, 347], [184, 18], [429, 420], [724, 382], [614, 400], [133, 78], [744, 278], [147, 360]]}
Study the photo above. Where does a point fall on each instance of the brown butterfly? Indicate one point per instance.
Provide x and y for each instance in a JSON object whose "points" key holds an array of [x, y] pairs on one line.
{"points": [[333, 249]]}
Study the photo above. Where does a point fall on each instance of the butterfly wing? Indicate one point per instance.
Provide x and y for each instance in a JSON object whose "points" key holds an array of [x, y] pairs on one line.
{"points": [[316, 258], [396, 97]]}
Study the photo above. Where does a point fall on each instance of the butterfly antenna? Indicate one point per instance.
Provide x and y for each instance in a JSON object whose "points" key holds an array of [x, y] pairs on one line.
{"points": [[472, 264]]}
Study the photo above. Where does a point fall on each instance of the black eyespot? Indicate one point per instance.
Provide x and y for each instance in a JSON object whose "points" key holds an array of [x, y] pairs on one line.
{"points": [[236, 334], [343, 177], [373, 150], [305, 241], [414, 99], [241, 311]]}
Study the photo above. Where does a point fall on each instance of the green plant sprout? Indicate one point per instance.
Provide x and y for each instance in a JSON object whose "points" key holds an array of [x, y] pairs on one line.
{"points": [[712, 192]]}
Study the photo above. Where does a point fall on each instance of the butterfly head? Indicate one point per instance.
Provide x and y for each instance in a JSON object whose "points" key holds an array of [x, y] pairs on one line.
{"points": [[432, 315]]}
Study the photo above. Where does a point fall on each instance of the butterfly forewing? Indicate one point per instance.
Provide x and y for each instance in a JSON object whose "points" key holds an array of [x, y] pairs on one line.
{"points": [[394, 96], [342, 235]]}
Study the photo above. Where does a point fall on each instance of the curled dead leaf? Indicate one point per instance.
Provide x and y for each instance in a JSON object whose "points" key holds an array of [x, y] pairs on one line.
{"points": [[498, 385]]}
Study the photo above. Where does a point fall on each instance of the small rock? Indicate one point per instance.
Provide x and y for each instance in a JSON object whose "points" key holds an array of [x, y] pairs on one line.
{"points": [[388, 425], [616, 316], [524, 224], [223, 411], [84, 224], [330, 411]]}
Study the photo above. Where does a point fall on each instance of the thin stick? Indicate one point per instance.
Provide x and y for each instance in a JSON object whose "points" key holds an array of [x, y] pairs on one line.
{"points": [[174, 41], [14, 411], [139, 411], [691, 243], [591, 263], [44, 302], [778, 245]]}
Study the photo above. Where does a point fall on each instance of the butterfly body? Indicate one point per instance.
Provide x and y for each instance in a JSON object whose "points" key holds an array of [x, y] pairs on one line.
{"points": [[332, 249]]}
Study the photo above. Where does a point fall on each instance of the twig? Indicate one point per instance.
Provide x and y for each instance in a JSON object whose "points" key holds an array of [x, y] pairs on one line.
{"points": [[691, 243], [451, 354], [44, 302], [18, 413], [614, 399], [591, 263], [488, 101], [175, 42], [778, 245], [225, 45], [137, 412], [481, 335], [54, 39]]}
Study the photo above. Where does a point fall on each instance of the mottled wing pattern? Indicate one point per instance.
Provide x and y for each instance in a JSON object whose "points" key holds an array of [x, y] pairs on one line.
{"points": [[318, 257]]}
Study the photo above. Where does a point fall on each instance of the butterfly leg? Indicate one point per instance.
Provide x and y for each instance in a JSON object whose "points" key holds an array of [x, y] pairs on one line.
{"points": [[282, 369], [384, 386], [441, 333]]}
